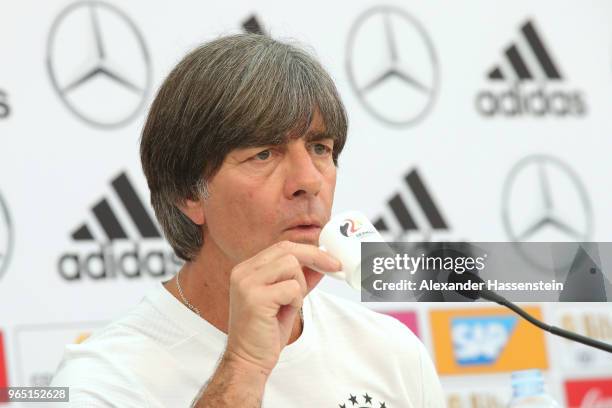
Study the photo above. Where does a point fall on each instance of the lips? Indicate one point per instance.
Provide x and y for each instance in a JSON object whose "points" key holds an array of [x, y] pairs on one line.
{"points": [[304, 228], [304, 225], [304, 233]]}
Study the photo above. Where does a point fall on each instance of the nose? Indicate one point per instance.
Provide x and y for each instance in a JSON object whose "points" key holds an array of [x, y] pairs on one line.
{"points": [[303, 177]]}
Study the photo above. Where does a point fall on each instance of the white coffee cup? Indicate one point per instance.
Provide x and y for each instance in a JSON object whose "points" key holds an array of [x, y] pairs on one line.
{"points": [[342, 237]]}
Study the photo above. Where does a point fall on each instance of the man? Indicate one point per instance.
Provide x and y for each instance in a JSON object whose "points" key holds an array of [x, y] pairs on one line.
{"points": [[240, 150]]}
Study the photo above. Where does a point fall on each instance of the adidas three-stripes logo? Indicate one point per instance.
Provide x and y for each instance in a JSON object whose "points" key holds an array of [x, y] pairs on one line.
{"points": [[520, 61], [109, 222], [404, 216]]}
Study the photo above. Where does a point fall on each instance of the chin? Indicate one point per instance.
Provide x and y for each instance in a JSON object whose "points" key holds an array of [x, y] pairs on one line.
{"points": [[302, 236], [307, 241], [299, 240]]}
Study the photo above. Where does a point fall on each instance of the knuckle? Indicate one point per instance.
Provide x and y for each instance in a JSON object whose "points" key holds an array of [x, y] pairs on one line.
{"points": [[290, 260], [303, 288], [295, 287], [250, 298], [243, 288]]}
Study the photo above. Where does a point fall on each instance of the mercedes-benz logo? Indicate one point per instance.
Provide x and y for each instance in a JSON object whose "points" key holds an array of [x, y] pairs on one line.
{"points": [[6, 237], [544, 200], [98, 63], [392, 66]]}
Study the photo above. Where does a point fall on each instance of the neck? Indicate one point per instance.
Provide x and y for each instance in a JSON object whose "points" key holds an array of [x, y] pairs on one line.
{"points": [[205, 284]]}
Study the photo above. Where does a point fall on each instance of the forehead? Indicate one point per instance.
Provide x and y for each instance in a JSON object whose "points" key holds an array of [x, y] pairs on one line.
{"points": [[316, 130]]}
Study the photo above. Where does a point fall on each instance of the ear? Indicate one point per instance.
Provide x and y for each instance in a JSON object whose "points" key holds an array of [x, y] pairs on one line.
{"points": [[194, 210]]}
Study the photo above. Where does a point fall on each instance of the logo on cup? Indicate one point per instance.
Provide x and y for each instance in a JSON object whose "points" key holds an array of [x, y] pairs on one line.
{"points": [[349, 227], [353, 228], [358, 229]]}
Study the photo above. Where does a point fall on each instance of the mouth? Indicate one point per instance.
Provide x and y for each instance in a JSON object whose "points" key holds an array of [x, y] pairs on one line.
{"points": [[304, 225], [304, 231], [309, 227]]}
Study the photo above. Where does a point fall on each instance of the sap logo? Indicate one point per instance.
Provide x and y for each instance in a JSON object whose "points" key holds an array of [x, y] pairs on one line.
{"points": [[480, 340]]}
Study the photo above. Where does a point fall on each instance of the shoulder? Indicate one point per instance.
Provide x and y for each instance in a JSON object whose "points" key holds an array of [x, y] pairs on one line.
{"points": [[107, 368], [94, 373], [141, 328]]}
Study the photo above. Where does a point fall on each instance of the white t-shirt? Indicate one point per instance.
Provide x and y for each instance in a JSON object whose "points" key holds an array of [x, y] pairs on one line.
{"points": [[161, 354]]}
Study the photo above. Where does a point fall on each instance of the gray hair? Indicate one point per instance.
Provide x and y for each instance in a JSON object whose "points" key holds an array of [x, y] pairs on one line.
{"points": [[237, 91]]}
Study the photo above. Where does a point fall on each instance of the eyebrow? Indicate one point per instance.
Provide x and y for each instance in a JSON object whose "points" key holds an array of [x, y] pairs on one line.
{"points": [[310, 136], [316, 135]]}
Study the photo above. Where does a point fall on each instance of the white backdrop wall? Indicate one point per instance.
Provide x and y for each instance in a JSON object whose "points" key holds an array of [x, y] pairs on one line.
{"points": [[71, 112]]}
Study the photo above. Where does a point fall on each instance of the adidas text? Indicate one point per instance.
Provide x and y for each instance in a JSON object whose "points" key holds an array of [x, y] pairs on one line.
{"points": [[522, 100], [112, 261]]}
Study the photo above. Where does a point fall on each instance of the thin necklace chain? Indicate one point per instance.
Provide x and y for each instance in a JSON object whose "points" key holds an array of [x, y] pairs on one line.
{"points": [[185, 301], [197, 311]]}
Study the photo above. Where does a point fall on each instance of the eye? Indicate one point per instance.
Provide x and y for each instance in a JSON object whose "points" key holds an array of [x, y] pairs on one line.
{"points": [[263, 155], [321, 149]]}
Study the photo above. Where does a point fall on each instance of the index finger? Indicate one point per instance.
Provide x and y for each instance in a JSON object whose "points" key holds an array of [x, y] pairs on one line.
{"points": [[307, 255]]}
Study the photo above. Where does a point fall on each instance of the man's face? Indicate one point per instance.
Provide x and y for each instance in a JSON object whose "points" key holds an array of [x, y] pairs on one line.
{"points": [[267, 194]]}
